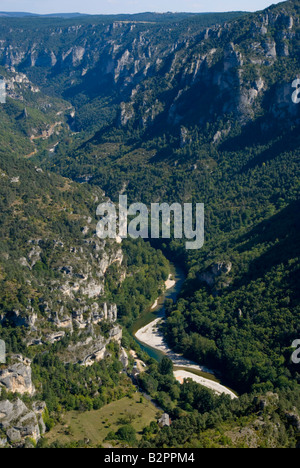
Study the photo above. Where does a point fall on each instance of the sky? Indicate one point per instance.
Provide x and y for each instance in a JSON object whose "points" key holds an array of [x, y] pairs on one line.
{"points": [[131, 6]]}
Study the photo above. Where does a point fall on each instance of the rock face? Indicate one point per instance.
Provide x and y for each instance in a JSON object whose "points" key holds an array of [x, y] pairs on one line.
{"points": [[65, 306], [124, 358], [17, 379], [216, 270], [20, 422], [95, 314], [294, 419], [74, 297], [17, 420], [214, 80], [204, 66], [93, 348], [270, 400]]}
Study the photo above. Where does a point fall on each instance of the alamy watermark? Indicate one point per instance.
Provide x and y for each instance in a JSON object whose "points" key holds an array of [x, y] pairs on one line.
{"points": [[296, 100], [296, 354], [2, 92], [188, 221], [2, 352], [296, 94]]}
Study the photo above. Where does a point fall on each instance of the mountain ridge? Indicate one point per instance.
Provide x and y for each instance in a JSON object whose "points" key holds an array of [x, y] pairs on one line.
{"points": [[193, 111]]}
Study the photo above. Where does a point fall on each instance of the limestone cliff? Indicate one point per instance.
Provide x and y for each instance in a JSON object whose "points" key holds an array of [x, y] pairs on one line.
{"points": [[18, 422], [16, 378]]}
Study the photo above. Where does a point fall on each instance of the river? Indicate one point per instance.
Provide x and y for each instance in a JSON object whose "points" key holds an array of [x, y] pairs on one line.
{"points": [[151, 340]]}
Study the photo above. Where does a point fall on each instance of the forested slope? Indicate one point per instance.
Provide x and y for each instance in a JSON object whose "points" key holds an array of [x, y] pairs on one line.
{"points": [[188, 110]]}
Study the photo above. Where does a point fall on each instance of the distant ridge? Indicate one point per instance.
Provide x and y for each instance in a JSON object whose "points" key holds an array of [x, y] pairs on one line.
{"points": [[9, 14], [151, 17]]}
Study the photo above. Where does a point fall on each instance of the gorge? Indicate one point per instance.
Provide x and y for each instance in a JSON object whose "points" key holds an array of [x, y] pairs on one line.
{"points": [[176, 109]]}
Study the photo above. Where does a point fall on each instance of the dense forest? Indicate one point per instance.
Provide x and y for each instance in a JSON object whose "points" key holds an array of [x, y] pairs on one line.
{"points": [[165, 108], [244, 321]]}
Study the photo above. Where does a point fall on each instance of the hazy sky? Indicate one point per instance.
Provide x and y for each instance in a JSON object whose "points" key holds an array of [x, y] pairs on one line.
{"points": [[131, 6]]}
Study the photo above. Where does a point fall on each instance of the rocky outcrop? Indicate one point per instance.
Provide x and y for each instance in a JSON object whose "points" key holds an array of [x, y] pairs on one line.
{"points": [[124, 358], [210, 64], [95, 314], [73, 302], [19, 318], [19, 422], [93, 348], [126, 113], [16, 378], [16, 84], [211, 275], [293, 419], [269, 400], [184, 137], [92, 289]]}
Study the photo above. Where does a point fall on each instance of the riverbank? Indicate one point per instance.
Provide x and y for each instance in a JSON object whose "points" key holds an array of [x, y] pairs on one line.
{"points": [[152, 336], [180, 375], [169, 284]]}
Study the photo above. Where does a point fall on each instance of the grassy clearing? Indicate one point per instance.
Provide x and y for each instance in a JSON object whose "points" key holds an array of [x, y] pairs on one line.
{"points": [[95, 425]]}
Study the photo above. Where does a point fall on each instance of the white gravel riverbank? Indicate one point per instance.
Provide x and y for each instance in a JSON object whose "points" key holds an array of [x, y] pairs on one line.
{"points": [[151, 336]]}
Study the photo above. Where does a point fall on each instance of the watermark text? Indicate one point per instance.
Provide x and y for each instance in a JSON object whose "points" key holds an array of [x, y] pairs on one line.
{"points": [[296, 354], [2, 352], [188, 221], [296, 93], [2, 92]]}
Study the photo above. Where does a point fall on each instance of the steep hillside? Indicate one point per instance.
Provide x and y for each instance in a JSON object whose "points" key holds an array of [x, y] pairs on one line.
{"points": [[165, 108], [95, 61], [31, 121], [53, 265], [226, 88], [57, 318], [217, 123]]}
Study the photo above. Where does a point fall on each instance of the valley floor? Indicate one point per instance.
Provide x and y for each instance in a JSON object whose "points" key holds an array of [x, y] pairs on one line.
{"points": [[153, 337]]}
